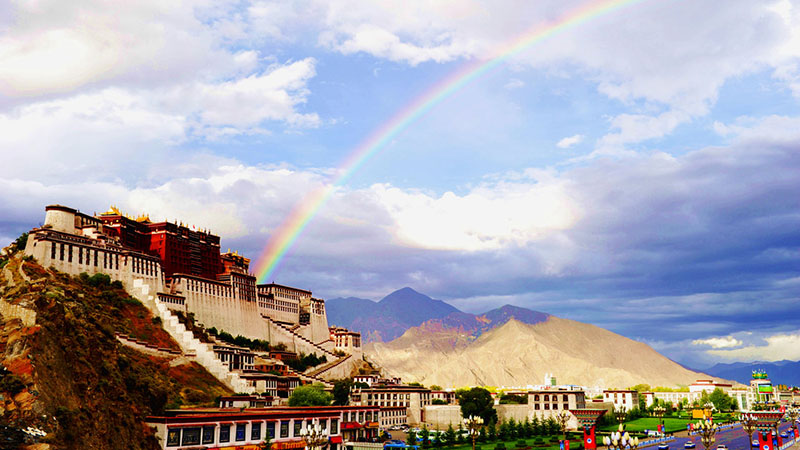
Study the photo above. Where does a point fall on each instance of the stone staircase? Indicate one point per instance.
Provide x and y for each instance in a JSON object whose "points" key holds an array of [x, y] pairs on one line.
{"points": [[201, 352], [319, 370], [311, 347]]}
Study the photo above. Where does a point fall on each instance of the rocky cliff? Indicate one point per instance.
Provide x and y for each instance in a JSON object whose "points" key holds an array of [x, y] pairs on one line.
{"points": [[65, 372]]}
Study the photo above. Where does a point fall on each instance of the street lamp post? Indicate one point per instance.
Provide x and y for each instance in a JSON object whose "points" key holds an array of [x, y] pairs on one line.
{"points": [[473, 424], [620, 414], [619, 440], [707, 430], [315, 436], [748, 425], [562, 418]]}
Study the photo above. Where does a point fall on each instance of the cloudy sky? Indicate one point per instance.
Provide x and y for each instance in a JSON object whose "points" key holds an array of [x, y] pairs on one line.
{"points": [[640, 171]]}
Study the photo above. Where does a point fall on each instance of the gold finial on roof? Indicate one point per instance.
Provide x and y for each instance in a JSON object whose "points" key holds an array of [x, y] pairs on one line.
{"points": [[112, 210]]}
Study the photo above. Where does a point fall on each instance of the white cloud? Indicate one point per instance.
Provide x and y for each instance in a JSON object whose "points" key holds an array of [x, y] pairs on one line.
{"points": [[635, 128], [719, 342], [77, 135], [514, 83], [568, 142], [52, 46], [247, 102], [489, 216], [775, 348]]}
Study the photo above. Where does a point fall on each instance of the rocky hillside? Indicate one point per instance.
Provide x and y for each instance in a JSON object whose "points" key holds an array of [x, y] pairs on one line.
{"points": [[514, 353], [65, 372]]}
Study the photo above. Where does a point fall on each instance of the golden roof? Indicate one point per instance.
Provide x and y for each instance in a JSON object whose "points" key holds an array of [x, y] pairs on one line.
{"points": [[112, 211]]}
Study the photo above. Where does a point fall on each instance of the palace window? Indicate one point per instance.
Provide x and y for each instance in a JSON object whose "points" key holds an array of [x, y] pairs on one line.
{"points": [[271, 430], [208, 435], [224, 433], [191, 436], [174, 437], [298, 425], [255, 431], [284, 429], [241, 429]]}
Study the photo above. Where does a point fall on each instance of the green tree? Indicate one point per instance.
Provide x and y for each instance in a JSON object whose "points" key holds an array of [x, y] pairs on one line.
{"points": [[436, 387], [411, 439], [720, 400], [552, 426], [527, 428], [426, 436], [477, 402], [450, 436], [482, 436], [341, 391], [512, 428], [460, 435], [21, 241], [310, 395], [502, 431], [536, 426], [491, 434]]}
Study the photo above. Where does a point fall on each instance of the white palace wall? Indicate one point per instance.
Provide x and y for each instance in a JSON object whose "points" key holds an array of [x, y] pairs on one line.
{"points": [[73, 255], [218, 305]]}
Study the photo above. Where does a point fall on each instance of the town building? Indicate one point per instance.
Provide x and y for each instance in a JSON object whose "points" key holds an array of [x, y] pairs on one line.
{"points": [[413, 398], [760, 391], [448, 397], [545, 400], [624, 399], [676, 398], [708, 386], [217, 428]]}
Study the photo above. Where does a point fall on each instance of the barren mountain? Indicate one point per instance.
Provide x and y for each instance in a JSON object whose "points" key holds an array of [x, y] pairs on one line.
{"points": [[519, 354], [388, 318]]}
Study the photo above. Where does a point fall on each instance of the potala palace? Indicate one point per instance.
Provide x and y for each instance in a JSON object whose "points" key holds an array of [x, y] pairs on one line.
{"points": [[172, 268]]}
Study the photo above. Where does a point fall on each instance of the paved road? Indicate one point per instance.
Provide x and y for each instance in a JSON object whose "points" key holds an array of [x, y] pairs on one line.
{"points": [[735, 439]]}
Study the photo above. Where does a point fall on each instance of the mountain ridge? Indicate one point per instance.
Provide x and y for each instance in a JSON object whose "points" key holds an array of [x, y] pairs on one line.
{"points": [[387, 318], [780, 372], [515, 353]]}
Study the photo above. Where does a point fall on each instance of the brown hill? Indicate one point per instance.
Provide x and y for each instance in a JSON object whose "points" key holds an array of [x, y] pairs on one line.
{"points": [[63, 371], [519, 354]]}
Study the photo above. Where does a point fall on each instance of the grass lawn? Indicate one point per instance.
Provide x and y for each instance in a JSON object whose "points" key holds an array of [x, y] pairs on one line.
{"points": [[671, 425], [510, 445]]}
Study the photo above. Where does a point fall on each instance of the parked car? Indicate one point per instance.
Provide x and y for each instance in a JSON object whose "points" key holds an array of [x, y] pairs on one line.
{"points": [[722, 447], [689, 444], [784, 435], [663, 447], [754, 443]]}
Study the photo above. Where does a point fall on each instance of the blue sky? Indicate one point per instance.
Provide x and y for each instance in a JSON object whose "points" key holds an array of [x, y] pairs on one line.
{"points": [[638, 172]]}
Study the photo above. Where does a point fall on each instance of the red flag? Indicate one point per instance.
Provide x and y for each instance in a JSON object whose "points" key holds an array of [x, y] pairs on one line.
{"points": [[765, 441], [589, 442]]}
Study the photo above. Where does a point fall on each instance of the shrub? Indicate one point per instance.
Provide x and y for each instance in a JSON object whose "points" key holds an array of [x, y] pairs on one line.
{"points": [[12, 384], [500, 446], [99, 279], [521, 444]]}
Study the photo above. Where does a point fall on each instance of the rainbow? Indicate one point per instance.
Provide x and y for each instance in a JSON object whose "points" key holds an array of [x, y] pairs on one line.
{"points": [[284, 237]]}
